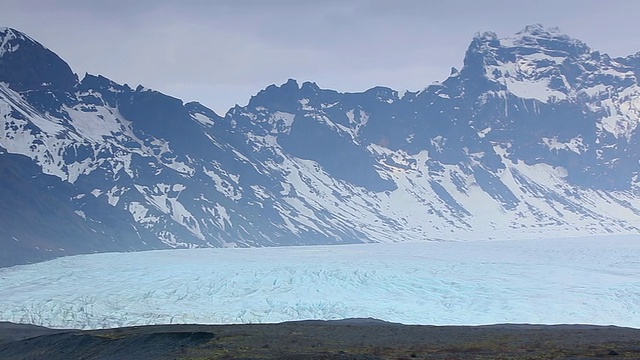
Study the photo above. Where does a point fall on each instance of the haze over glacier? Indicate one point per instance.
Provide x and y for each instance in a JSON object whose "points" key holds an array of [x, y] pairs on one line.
{"points": [[548, 281], [535, 136]]}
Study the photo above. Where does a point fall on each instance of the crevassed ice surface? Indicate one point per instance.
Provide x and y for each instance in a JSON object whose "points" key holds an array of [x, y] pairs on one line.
{"points": [[580, 280]]}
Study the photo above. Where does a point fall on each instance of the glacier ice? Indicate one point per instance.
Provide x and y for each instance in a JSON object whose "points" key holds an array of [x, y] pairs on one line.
{"points": [[593, 280]]}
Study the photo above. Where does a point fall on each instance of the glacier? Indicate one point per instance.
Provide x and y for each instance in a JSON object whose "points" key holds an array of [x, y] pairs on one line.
{"points": [[590, 280]]}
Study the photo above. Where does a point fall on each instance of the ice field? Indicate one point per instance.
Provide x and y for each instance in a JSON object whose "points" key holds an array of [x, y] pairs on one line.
{"points": [[592, 280]]}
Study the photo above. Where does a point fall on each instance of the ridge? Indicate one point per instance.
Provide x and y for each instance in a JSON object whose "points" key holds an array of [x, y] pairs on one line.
{"points": [[531, 140], [27, 65]]}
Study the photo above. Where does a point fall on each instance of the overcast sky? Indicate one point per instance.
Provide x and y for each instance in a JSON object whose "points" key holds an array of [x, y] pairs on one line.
{"points": [[221, 52]]}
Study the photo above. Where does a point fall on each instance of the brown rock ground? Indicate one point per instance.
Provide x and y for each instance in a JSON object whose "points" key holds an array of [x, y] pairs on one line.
{"points": [[346, 339]]}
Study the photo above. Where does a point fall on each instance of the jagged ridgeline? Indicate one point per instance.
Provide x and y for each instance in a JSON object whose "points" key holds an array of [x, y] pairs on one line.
{"points": [[536, 136]]}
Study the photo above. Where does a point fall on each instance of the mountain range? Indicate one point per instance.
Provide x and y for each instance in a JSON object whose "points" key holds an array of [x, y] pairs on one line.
{"points": [[535, 136]]}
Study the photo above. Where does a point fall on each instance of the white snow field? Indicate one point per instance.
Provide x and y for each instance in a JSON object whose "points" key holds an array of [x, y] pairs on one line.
{"points": [[593, 280]]}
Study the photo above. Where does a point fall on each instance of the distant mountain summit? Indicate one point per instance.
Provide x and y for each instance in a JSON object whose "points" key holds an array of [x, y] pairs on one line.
{"points": [[591, 102], [536, 136], [27, 65]]}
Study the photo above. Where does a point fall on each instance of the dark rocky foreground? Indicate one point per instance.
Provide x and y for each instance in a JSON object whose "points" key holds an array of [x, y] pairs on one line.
{"points": [[346, 339]]}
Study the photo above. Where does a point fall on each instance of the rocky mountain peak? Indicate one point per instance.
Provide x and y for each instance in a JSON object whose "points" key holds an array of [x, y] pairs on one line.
{"points": [[272, 94], [531, 39], [9, 39], [546, 39], [537, 62], [541, 31], [26, 65]]}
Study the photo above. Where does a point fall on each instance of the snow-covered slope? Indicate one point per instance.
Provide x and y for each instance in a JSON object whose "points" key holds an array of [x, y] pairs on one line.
{"points": [[578, 280], [536, 136]]}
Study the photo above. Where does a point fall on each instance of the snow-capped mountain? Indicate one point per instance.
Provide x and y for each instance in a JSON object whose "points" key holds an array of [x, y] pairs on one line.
{"points": [[536, 136]]}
